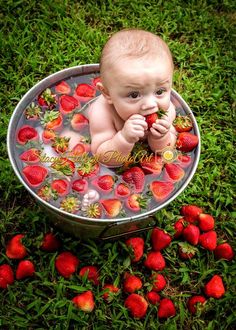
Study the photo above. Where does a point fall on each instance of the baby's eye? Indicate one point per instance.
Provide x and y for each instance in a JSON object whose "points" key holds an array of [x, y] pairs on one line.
{"points": [[134, 95], [160, 91]]}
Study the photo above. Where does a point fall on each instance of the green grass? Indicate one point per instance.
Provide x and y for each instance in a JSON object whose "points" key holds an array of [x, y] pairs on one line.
{"points": [[41, 37]]}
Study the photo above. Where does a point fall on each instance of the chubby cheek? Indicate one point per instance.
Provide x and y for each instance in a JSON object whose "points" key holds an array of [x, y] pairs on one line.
{"points": [[164, 103], [125, 110]]}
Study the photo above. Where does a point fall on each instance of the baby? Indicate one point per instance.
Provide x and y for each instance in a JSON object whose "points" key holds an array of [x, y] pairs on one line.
{"points": [[136, 71]]}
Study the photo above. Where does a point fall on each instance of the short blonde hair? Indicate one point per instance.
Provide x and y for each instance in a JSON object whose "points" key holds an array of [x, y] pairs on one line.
{"points": [[132, 44]]}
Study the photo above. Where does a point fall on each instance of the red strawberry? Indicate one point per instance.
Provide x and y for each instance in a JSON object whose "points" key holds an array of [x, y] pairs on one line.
{"points": [[35, 174], [6, 276], [137, 305], [153, 297], [151, 119], [67, 104], [122, 190], [70, 204], [66, 264], [206, 222], [136, 202], [194, 303], [50, 243], [61, 186], [80, 186], [112, 206], [161, 189], [86, 141], [48, 136], [46, 193], [27, 133], [179, 227], [84, 92], [64, 166], [85, 301], [79, 122], [63, 88], [183, 124], [191, 234], [95, 81], [137, 245], [52, 120], [184, 160], [88, 168], [135, 177], [224, 251], [174, 171], [110, 291], [160, 239], [186, 141], [215, 287], [91, 273], [60, 144], [191, 212], [31, 156], [208, 240], [131, 283], [25, 269], [15, 249], [47, 99], [158, 281], [78, 150], [155, 261], [186, 251], [32, 112], [166, 309], [152, 165], [104, 183]]}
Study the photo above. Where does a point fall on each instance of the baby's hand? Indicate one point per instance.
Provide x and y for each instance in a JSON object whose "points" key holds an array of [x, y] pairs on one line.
{"points": [[134, 128], [161, 127]]}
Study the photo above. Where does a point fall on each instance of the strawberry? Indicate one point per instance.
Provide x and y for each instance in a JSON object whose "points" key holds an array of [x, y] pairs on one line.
{"points": [[132, 283], [208, 240], [91, 273], [194, 303], [206, 222], [151, 119], [224, 251], [158, 281], [186, 251], [174, 171], [15, 249], [48, 136], [136, 244], [191, 234], [52, 120], [153, 297], [166, 309], [183, 123], [47, 99], [60, 144], [137, 305], [86, 141], [161, 189], [70, 204], [95, 81], [155, 261], [88, 168], [104, 183], [110, 291], [32, 112], [135, 177], [31, 156], [184, 160], [78, 150], [179, 227], [80, 186], [27, 133], [67, 104], [122, 190], [63, 88], [64, 166], [93, 210], [35, 174], [50, 243], [160, 239], [66, 264], [112, 206], [215, 287], [79, 122], [191, 212], [152, 165], [61, 186], [85, 301], [46, 193], [84, 92], [186, 141], [136, 202], [6, 276], [25, 269]]}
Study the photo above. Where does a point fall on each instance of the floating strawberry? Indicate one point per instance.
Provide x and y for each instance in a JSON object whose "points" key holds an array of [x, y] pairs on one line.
{"points": [[84, 92], [95, 81], [160, 239], [50, 243], [15, 249], [161, 189], [153, 297], [206, 222], [85, 301], [158, 282], [186, 251], [70, 204], [155, 261], [63, 88], [86, 141], [195, 303], [215, 287], [191, 234], [104, 183], [32, 112], [78, 150], [136, 202], [6, 276], [208, 240], [183, 123], [191, 212], [152, 165], [31, 156], [25, 269], [46, 193], [166, 309], [122, 190], [66, 264], [112, 206], [48, 136], [47, 99], [110, 289], [151, 119], [60, 144], [34, 174], [135, 177], [137, 305], [27, 133], [224, 251], [93, 210], [67, 104], [79, 122], [80, 186], [184, 160], [132, 283], [174, 172], [186, 141], [61, 186], [88, 168], [52, 120], [64, 166], [179, 227], [136, 244], [91, 273]]}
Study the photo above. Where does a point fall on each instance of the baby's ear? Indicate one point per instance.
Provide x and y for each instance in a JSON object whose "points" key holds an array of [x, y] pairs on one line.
{"points": [[104, 92]]}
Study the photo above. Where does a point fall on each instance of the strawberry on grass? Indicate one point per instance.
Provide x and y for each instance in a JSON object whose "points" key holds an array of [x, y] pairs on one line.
{"points": [[160, 239], [153, 297], [131, 283], [206, 222], [25, 269], [178, 227], [26, 133], [15, 249], [191, 212], [6, 276], [136, 245], [208, 240], [34, 174], [79, 122], [110, 291], [155, 261], [158, 282], [85, 301], [186, 251], [166, 309], [191, 234], [66, 264], [161, 189], [67, 104], [215, 287], [136, 305], [224, 251], [195, 303], [91, 273], [50, 242]]}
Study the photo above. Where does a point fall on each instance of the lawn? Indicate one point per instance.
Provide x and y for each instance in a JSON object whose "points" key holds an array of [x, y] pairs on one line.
{"points": [[39, 38]]}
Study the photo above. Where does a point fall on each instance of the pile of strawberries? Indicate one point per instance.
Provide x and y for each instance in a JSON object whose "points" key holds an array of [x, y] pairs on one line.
{"points": [[193, 228]]}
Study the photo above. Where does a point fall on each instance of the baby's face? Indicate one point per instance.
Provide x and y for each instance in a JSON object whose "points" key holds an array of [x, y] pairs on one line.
{"points": [[140, 86]]}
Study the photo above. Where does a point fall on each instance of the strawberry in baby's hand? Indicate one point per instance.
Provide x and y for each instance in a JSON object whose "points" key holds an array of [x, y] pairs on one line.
{"points": [[25, 269], [84, 301], [215, 287], [151, 119], [183, 123], [224, 251], [195, 303], [15, 249], [34, 174], [91, 273], [27, 133], [6, 276], [137, 305], [131, 283], [50, 243], [160, 239], [66, 264], [136, 244], [155, 261], [186, 141], [111, 290], [166, 309]]}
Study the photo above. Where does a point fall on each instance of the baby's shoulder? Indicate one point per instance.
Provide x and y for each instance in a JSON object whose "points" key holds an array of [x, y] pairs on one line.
{"points": [[100, 108]]}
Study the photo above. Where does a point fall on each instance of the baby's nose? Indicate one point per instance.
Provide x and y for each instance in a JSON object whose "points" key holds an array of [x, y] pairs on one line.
{"points": [[149, 103]]}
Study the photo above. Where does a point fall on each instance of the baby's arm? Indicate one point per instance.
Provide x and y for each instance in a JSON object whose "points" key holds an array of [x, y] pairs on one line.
{"points": [[162, 133]]}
